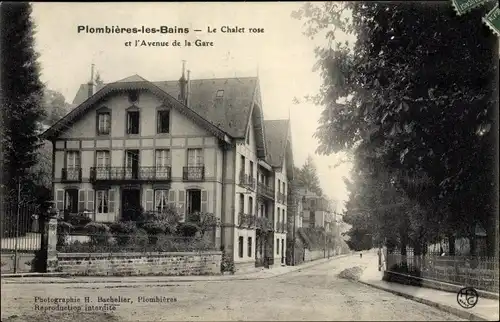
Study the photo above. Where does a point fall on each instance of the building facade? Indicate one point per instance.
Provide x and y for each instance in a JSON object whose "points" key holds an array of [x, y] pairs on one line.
{"points": [[199, 145]]}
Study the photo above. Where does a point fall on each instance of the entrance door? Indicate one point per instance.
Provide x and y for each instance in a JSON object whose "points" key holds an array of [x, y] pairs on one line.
{"points": [[193, 201], [282, 251], [131, 204], [71, 202]]}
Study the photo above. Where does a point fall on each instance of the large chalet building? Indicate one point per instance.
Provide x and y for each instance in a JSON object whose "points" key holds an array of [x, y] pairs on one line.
{"points": [[200, 145]]}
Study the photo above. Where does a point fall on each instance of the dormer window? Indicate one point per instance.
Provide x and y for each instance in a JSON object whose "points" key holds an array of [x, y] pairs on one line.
{"points": [[103, 122], [219, 94], [132, 122]]}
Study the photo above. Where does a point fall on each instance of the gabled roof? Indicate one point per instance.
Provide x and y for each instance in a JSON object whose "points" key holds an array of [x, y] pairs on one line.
{"points": [[276, 134], [229, 113], [127, 84]]}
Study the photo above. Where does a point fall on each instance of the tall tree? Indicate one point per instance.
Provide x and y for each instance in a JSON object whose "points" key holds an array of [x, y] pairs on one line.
{"points": [[55, 106], [22, 91], [308, 177], [412, 97]]}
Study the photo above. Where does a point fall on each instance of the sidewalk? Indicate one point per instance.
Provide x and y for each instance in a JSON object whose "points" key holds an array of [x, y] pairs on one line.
{"points": [[260, 274], [485, 310]]}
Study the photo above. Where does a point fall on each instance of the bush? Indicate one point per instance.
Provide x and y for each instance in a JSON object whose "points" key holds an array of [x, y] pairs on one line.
{"points": [[63, 230], [123, 231], [139, 238], [98, 233], [78, 220], [227, 263], [187, 229]]}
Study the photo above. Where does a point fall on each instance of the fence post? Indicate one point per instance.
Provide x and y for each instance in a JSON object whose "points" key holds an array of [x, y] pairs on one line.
{"points": [[51, 235]]}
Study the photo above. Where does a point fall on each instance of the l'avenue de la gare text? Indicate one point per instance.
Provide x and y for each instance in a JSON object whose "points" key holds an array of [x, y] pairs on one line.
{"points": [[172, 43]]}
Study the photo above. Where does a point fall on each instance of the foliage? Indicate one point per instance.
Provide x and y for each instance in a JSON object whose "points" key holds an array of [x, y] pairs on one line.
{"points": [[160, 222], [22, 92], [123, 232], [204, 221], [99, 233], [63, 230], [410, 98], [78, 220], [55, 106], [227, 263], [307, 177]]}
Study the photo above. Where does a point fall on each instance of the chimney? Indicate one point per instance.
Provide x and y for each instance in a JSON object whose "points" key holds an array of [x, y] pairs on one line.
{"points": [[188, 92], [182, 84], [91, 81]]}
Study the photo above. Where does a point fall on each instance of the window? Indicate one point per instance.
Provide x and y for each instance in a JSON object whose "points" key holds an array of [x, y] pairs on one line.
{"points": [[133, 122], [284, 190], [251, 169], [102, 201], [162, 158], [277, 246], [242, 203], [103, 123], [242, 164], [195, 157], [279, 186], [220, 93], [161, 200], [240, 246], [73, 159], [103, 159], [250, 205], [249, 246], [163, 121]]}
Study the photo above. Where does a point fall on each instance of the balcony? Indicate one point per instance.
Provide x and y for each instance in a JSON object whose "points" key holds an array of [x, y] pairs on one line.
{"points": [[247, 181], [192, 173], [281, 198], [265, 190], [71, 175], [246, 220], [130, 174], [264, 224]]}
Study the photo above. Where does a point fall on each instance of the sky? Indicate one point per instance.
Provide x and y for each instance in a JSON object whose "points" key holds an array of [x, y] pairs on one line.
{"points": [[281, 56]]}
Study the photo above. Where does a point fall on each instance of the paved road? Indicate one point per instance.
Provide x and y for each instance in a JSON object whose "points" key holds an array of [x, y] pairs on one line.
{"points": [[314, 293]]}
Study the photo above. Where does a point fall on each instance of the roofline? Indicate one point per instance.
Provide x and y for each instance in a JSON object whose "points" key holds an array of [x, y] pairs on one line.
{"points": [[117, 86]]}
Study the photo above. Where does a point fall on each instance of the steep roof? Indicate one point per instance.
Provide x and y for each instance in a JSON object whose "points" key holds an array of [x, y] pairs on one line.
{"points": [[128, 84], [230, 112], [276, 133]]}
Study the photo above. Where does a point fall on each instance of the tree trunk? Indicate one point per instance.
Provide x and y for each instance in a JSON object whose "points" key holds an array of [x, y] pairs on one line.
{"points": [[473, 246], [451, 245]]}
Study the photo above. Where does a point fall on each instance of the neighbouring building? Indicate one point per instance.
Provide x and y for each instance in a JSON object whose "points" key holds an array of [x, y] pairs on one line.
{"points": [[200, 145], [316, 210]]}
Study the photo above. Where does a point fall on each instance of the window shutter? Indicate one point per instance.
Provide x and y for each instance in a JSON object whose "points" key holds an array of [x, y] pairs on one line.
{"points": [[81, 200], [204, 201], [149, 200], [171, 198], [181, 204], [158, 197], [111, 206], [90, 200], [60, 200]]}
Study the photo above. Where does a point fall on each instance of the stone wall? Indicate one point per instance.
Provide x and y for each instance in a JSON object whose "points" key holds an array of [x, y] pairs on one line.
{"points": [[312, 255], [135, 264]]}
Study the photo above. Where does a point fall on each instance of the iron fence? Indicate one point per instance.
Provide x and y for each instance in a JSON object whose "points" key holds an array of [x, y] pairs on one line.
{"points": [[474, 271], [21, 228]]}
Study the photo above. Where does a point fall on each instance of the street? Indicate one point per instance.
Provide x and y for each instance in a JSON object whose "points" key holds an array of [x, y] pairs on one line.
{"points": [[315, 293]]}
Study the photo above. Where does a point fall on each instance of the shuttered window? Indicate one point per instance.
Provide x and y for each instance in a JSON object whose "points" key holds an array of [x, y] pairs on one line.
{"points": [[81, 200], [204, 201], [149, 201], [161, 200], [181, 203], [59, 200]]}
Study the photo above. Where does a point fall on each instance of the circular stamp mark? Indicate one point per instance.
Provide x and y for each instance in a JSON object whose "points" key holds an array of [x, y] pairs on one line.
{"points": [[467, 297]]}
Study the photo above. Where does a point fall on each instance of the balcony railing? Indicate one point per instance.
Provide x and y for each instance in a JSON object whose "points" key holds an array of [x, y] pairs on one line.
{"points": [[247, 180], [71, 174], [246, 220], [130, 174], [193, 173], [281, 198], [265, 190], [264, 224]]}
